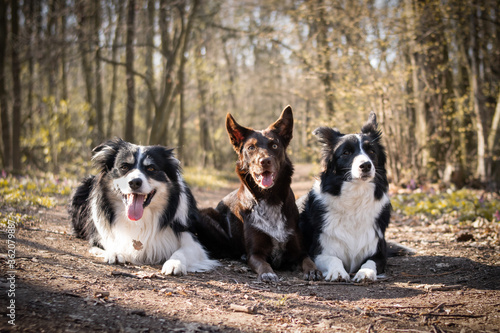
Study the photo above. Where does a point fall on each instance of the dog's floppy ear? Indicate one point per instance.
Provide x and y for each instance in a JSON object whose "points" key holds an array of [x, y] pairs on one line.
{"points": [[328, 137], [284, 125], [236, 132], [104, 155]]}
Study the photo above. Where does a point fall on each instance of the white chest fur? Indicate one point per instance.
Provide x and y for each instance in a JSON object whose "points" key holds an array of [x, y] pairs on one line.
{"points": [[349, 229], [270, 220], [138, 242]]}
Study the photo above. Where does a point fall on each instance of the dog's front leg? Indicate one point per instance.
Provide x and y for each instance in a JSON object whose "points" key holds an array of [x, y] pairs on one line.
{"points": [[311, 273], [264, 271], [332, 267], [188, 252]]}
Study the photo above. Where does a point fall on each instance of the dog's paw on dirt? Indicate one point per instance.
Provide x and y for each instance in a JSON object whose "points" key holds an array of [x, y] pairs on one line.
{"points": [[173, 267], [365, 275], [268, 277], [313, 275]]}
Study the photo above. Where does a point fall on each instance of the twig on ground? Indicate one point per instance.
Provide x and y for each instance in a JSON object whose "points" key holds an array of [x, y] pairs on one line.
{"points": [[242, 308]]}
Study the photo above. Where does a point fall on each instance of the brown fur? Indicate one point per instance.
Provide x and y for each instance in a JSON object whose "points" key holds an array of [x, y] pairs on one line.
{"points": [[260, 219]]}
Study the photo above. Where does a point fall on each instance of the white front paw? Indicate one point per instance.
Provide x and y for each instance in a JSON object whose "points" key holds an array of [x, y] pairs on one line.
{"points": [[365, 275], [108, 256], [113, 258], [337, 274], [173, 267]]}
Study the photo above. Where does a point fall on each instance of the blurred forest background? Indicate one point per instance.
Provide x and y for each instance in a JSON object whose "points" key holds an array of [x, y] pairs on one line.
{"points": [[73, 73]]}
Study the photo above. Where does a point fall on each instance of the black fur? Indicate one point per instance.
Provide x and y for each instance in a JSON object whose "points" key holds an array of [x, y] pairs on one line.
{"points": [[339, 152]]}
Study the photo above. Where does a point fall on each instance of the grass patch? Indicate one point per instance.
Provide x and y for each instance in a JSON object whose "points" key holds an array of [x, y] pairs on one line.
{"points": [[464, 204], [25, 192]]}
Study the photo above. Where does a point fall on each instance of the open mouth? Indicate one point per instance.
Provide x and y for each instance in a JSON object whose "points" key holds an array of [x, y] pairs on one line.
{"points": [[135, 204], [265, 179]]}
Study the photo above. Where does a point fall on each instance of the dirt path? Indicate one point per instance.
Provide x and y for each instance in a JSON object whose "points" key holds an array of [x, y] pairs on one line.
{"points": [[59, 287]]}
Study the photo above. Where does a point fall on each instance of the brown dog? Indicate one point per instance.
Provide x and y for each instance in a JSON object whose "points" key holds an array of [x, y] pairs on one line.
{"points": [[260, 219]]}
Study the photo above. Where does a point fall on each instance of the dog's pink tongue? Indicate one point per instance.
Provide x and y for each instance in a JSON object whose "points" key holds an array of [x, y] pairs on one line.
{"points": [[267, 179], [134, 206]]}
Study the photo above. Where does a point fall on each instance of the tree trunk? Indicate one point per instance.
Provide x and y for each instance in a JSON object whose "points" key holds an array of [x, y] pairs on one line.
{"points": [[16, 78], [418, 90], [478, 98], [159, 133], [99, 104], [324, 59], [492, 138], [6, 136], [129, 60], [180, 142], [86, 67], [64, 72], [29, 14], [114, 57], [204, 134], [149, 64]]}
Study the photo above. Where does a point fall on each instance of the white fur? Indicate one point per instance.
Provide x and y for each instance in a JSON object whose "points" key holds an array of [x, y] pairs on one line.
{"points": [[182, 253], [360, 159], [270, 220], [349, 232], [122, 183], [332, 268], [367, 272]]}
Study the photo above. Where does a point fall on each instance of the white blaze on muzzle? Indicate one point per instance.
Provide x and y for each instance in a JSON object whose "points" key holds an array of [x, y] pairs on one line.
{"points": [[362, 166]]}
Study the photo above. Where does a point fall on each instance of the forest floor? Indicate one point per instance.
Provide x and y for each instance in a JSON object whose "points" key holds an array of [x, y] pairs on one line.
{"points": [[448, 286]]}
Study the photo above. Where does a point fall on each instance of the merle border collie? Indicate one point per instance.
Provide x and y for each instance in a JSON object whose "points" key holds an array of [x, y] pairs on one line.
{"points": [[260, 219], [346, 213], [138, 209]]}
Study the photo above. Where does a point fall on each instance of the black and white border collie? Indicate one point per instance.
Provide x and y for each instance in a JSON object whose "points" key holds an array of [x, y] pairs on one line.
{"points": [[138, 209], [346, 213]]}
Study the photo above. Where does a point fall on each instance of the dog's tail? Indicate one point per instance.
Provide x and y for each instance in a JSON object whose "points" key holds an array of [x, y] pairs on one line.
{"points": [[79, 209], [213, 236], [396, 250]]}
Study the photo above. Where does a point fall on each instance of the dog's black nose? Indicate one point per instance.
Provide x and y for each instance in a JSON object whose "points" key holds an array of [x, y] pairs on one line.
{"points": [[265, 161], [365, 167], [135, 183]]}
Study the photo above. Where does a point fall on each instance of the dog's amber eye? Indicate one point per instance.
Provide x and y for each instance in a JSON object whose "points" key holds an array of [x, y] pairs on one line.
{"points": [[274, 146], [124, 167], [151, 168], [346, 153]]}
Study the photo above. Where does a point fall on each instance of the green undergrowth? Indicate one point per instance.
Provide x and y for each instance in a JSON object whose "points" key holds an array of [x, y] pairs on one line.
{"points": [[464, 205], [29, 191]]}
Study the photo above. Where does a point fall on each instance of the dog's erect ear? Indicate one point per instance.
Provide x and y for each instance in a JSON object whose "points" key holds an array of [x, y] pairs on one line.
{"points": [[104, 155], [169, 164], [284, 125], [371, 124], [371, 127], [236, 132]]}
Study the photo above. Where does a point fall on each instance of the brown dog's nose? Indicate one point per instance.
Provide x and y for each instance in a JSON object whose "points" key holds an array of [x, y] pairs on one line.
{"points": [[265, 161]]}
